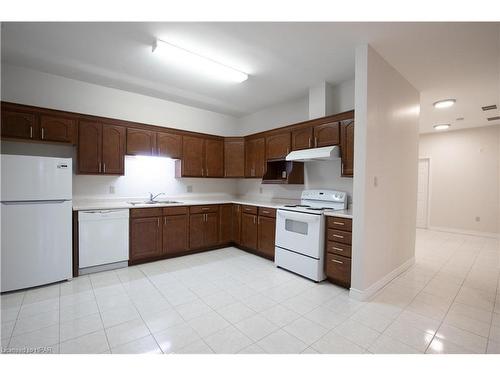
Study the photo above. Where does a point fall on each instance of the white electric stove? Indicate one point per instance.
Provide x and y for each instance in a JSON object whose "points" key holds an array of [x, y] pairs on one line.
{"points": [[300, 232]]}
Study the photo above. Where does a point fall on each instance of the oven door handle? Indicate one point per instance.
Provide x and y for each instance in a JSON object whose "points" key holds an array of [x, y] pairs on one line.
{"points": [[307, 218]]}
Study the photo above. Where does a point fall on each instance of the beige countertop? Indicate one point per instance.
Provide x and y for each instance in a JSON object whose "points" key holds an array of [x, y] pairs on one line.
{"points": [[108, 204], [341, 213]]}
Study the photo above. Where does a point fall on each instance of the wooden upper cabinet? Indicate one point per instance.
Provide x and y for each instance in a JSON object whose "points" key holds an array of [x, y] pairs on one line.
{"points": [[277, 146], [57, 129], [89, 147], [266, 234], [347, 147], [141, 142], [302, 138], [169, 145], [327, 134], [175, 233], [113, 149], [255, 150], [234, 157], [19, 125], [214, 158], [193, 156], [145, 238]]}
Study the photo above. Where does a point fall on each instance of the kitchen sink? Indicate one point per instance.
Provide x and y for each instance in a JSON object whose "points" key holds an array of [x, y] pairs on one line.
{"points": [[153, 202]]}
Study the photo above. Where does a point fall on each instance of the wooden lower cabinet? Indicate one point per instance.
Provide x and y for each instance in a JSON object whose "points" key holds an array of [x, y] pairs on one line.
{"points": [[226, 223], [203, 227], [249, 231], [338, 251], [266, 235], [236, 236], [175, 234], [145, 238]]}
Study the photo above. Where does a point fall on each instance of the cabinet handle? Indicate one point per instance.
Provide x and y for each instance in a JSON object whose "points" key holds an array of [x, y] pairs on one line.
{"points": [[338, 236], [338, 223], [337, 248], [254, 219], [31, 131], [99, 167], [158, 222], [207, 172], [309, 142], [165, 220], [265, 212], [103, 167], [205, 208], [337, 261], [43, 133]]}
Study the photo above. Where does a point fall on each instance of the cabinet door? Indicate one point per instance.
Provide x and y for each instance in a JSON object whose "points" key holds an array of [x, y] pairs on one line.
{"points": [[89, 147], [255, 157], [113, 149], [225, 223], [326, 134], [145, 238], [277, 146], [211, 229], [175, 234], [196, 231], [141, 142], [192, 156], [249, 231], [169, 145], [234, 158], [347, 147], [302, 138], [57, 129], [19, 125], [237, 223], [214, 158], [267, 227]]}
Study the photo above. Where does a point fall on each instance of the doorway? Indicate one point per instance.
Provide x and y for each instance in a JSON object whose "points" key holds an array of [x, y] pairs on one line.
{"points": [[423, 193]]}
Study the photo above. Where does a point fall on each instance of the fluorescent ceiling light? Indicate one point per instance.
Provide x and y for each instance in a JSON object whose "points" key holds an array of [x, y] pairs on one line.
{"points": [[441, 127], [445, 103], [197, 63]]}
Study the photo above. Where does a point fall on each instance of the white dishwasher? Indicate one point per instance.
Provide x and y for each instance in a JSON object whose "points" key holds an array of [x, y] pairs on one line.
{"points": [[102, 240]]}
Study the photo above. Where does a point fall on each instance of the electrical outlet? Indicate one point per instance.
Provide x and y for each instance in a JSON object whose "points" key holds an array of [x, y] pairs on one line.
{"points": [[112, 189], [189, 188]]}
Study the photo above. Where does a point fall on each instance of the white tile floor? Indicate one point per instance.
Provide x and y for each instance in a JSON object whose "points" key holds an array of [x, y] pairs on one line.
{"points": [[229, 301]]}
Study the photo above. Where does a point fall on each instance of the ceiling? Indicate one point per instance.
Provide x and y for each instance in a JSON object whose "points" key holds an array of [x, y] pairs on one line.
{"points": [[442, 60]]}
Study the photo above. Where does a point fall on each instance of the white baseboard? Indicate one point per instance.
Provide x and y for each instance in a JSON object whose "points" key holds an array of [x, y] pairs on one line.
{"points": [[363, 295], [466, 232]]}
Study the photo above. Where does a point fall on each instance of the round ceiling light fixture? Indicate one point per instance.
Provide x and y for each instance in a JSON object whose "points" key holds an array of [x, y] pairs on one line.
{"points": [[441, 127], [445, 103]]}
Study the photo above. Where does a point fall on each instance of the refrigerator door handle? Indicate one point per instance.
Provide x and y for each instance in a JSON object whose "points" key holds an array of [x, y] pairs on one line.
{"points": [[11, 203]]}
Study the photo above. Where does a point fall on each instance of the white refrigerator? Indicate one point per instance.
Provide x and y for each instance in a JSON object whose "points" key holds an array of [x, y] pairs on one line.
{"points": [[36, 221]]}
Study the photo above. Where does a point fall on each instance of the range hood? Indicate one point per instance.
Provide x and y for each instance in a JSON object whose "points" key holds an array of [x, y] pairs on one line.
{"points": [[312, 154]]}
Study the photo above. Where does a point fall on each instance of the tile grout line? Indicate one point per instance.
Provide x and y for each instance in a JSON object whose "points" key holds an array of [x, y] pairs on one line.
{"points": [[16, 320], [100, 315], [492, 314]]}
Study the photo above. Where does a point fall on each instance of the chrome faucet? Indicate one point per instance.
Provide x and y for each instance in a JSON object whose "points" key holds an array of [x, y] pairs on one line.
{"points": [[153, 197]]}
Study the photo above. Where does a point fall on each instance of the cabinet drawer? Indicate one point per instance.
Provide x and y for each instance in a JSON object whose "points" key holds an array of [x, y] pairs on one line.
{"points": [[249, 209], [338, 248], [339, 236], [203, 209], [340, 223], [175, 211], [338, 269], [145, 212], [269, 212]]}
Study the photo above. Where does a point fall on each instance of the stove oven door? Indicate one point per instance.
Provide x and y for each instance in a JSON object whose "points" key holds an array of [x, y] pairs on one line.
{"points": [[300, 232]]}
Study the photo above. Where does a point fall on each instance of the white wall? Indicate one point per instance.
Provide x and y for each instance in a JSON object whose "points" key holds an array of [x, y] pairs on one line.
{"points": [[31, 87], [464, 178], [385, 173]]}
